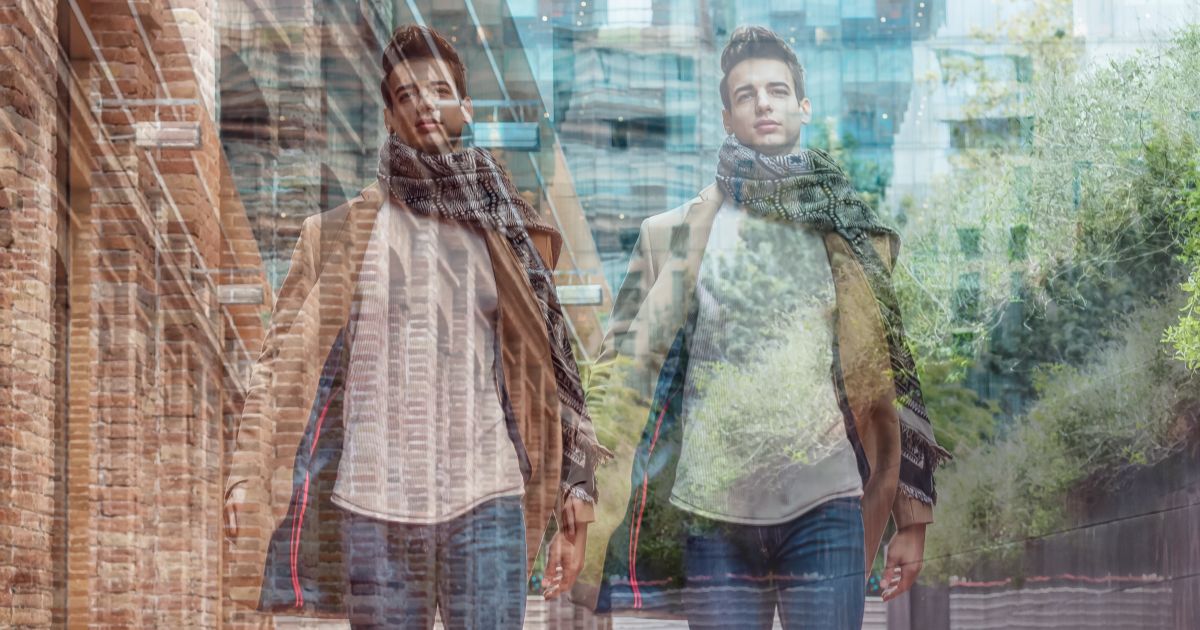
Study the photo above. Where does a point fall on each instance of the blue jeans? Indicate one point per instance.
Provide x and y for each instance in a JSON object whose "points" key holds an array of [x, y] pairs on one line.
{"points": [[472, 567], [810, 567]]}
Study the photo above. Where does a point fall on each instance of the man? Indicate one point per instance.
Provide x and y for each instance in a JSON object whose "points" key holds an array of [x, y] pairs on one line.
{"points": [[786, 421], [416, 415]]}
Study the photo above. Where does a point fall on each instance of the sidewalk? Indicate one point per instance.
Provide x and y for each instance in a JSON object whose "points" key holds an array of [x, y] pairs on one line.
{"points": [[874, 618]]}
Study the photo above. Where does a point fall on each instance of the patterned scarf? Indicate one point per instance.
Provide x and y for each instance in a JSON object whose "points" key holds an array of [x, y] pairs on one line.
{"points": [[471, 186], [810, 188]]}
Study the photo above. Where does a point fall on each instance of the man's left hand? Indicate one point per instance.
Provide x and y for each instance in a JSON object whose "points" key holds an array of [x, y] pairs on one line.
{"points": [[905, 558]]}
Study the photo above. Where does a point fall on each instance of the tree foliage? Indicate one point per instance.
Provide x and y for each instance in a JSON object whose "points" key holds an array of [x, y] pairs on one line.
{"points": [[1074, 243], [1010, 223], [1184, 336], [1089, 426]]}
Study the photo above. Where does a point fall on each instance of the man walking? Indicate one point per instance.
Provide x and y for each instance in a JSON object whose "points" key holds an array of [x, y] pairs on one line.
{"points": [[787, 421], [416, 415]]}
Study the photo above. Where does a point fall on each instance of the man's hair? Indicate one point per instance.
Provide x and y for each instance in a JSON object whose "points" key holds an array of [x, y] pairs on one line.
{"points": [[758, 42], [410, 43]]}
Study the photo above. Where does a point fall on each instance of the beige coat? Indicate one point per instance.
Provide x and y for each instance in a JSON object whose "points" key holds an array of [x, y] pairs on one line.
{"points": [[313, 305], [651, 307]]}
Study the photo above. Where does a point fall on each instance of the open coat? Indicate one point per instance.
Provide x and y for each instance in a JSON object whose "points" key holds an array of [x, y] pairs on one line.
{"points": [[286, 555], [641, 573]]}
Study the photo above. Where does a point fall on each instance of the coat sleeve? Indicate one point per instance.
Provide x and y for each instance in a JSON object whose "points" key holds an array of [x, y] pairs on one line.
{"points": [[906, 510], [580, 480], [909, 511], [254, 446], [577, 480]]}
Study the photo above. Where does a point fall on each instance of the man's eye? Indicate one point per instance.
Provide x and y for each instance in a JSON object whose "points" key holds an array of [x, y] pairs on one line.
{"points": [[404, 97]]}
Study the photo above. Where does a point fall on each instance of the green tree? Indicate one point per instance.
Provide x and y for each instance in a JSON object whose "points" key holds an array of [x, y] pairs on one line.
{"points": [[1072, 223], [1184, 336], [1089, 427], [1073, 307]]}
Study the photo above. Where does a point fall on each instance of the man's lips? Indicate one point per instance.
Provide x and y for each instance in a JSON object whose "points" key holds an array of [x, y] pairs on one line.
{"points": [[766, 126], [428, 125]]}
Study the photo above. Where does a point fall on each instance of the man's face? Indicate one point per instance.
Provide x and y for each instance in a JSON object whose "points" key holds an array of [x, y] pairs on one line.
{"points": [[764, 113], [427, 112]]}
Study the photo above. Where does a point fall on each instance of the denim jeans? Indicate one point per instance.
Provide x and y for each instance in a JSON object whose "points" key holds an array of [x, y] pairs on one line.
{"points": [[810, 567], [471, 567]]}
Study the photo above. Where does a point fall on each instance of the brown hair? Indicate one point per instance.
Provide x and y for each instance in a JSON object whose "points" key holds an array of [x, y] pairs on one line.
{"points": [[758, 42], [413, 42]]}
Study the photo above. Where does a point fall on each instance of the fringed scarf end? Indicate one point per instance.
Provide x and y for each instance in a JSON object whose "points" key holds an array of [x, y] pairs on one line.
{"points": [[929, 449], [918, 494]]}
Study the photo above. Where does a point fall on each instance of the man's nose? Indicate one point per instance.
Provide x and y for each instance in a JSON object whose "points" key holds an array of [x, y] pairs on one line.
{"points": [[427, 100], [762, 104]]}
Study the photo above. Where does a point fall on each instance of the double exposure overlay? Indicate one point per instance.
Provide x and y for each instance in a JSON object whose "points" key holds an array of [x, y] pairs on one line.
{"points": [[600, 314]]}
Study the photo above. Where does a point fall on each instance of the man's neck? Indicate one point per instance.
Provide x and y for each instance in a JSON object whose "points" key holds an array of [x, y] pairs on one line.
{"points": [[795, 148]]}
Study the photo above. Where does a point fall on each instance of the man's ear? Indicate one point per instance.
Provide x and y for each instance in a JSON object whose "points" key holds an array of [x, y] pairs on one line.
{"points": [[725, 121], [388, 120], [806, 108]]}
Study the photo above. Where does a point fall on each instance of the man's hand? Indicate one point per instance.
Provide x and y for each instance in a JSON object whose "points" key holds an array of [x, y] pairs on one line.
{"points": [[567, 551], [905, 557]]}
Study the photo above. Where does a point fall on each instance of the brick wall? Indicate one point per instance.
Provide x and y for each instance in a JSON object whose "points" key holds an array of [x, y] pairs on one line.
{"points": [[119, 370], [28, 128], [121, 375]]}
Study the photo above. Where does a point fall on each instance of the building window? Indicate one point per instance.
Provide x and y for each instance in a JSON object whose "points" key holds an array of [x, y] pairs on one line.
{"points": [[968, 241], [966, 297], [1018, 242], [988, 133], [687, 69]]}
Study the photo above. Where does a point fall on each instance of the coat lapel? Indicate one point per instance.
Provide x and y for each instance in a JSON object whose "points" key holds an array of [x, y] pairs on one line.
{"points": [[665, 307]]}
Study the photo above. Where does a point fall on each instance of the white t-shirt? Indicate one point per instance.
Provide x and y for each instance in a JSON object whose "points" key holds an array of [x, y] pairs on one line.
{"points": [[764, 439], [425, 438]]}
